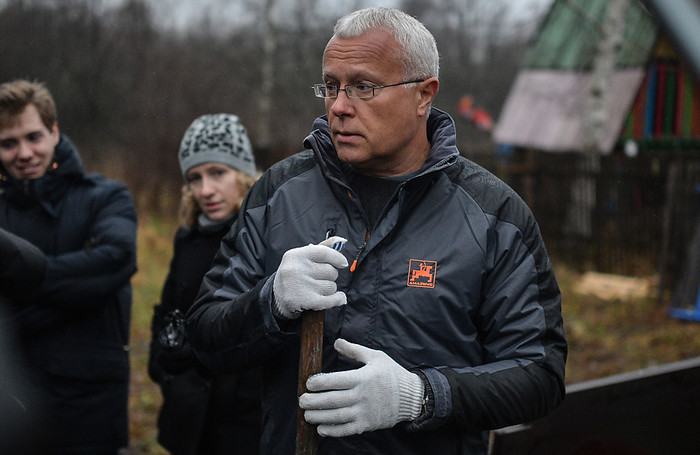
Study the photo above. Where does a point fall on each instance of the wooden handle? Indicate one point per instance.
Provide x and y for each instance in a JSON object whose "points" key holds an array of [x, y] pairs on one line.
{"points": [[309, 364]]}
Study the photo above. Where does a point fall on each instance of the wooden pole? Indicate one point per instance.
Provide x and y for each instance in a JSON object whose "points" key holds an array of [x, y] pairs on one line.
{"points": [[310, 359], [310, 362]]}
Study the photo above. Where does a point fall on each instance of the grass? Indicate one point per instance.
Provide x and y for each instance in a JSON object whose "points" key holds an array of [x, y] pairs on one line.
{"points": [[606, 335], [611, 336], [155, 241]]}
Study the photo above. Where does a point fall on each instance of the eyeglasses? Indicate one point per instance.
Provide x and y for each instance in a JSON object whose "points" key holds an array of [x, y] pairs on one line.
{"points": [[360, 90]]}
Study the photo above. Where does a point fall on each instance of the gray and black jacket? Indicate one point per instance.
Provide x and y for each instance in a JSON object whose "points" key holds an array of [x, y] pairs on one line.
{"points": [[454, 281]]}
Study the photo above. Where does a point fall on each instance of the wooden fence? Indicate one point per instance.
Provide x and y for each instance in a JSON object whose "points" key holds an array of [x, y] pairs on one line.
{"points": [[617, 214]]}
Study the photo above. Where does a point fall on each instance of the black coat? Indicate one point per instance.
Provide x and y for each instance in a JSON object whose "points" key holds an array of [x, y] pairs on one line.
{"points": [[22, 267], [201, 413], [74, 329]]}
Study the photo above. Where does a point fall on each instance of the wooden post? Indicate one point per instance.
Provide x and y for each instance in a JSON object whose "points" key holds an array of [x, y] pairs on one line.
{"points": [[310, 361], [310, 358]]}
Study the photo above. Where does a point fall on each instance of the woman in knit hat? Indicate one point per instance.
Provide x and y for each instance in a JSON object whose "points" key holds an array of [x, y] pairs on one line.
{"points": [[203, 413]]}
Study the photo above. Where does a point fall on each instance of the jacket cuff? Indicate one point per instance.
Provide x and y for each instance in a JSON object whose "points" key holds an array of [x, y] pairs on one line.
{"points": [[438, 406], [272, 323]]}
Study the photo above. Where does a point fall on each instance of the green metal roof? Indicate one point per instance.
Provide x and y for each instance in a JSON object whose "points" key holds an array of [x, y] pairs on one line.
{"points": [[652, 96], [571, 31]]}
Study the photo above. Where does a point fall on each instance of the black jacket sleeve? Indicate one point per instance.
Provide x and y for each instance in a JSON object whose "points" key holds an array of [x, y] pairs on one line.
{"points": [[107, 261], [82, 280], [22, 267]]}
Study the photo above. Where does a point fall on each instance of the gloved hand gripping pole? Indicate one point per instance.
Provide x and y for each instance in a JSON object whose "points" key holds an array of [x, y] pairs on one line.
{"points": [[310, 359]]}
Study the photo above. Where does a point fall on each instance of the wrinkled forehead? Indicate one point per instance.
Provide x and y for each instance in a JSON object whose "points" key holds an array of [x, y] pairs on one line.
{"points": [[373, 53]]}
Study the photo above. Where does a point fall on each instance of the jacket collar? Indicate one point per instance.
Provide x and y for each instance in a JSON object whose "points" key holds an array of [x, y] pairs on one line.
{"points": [[441, 134], [50, 187]]}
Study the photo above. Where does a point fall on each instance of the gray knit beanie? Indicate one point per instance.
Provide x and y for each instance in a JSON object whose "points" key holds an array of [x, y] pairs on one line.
{"points": [[217, 138]]}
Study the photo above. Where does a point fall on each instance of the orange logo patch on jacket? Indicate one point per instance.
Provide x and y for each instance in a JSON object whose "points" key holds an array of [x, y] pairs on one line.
{"points": [[421, 273]]}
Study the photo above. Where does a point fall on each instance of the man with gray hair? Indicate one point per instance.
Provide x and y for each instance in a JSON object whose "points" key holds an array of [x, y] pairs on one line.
{"points": [[442, 312]]}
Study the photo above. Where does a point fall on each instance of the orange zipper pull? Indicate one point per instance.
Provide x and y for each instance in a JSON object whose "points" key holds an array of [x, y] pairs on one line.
{"points": [[362, 248]]}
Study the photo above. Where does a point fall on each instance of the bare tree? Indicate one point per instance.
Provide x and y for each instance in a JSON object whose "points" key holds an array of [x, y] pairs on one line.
{"points": [[127, 88], [583, 189]]}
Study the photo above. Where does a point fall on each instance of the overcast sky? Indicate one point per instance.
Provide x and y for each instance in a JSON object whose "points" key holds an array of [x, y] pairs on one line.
{"points": [[180, 14]]}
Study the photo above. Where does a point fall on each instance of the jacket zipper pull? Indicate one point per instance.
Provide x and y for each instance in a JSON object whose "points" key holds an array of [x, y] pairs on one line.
{"points": [[359, 252]]}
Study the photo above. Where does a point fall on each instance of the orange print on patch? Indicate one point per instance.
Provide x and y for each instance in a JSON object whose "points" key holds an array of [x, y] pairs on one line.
{"points": [[421, 274]]}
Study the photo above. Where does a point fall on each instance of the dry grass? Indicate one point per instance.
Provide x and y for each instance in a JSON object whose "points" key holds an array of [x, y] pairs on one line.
{"points": [[615, 335], [154, 252], [606, 335]]}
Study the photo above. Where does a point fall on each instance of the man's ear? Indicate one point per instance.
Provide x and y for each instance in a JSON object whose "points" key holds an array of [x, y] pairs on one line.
{"points": [[55, 133], [428, 90]]}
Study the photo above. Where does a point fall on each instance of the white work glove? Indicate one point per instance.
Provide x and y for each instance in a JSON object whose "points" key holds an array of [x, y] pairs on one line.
{"points": [[305, 279], [377, 395]]}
